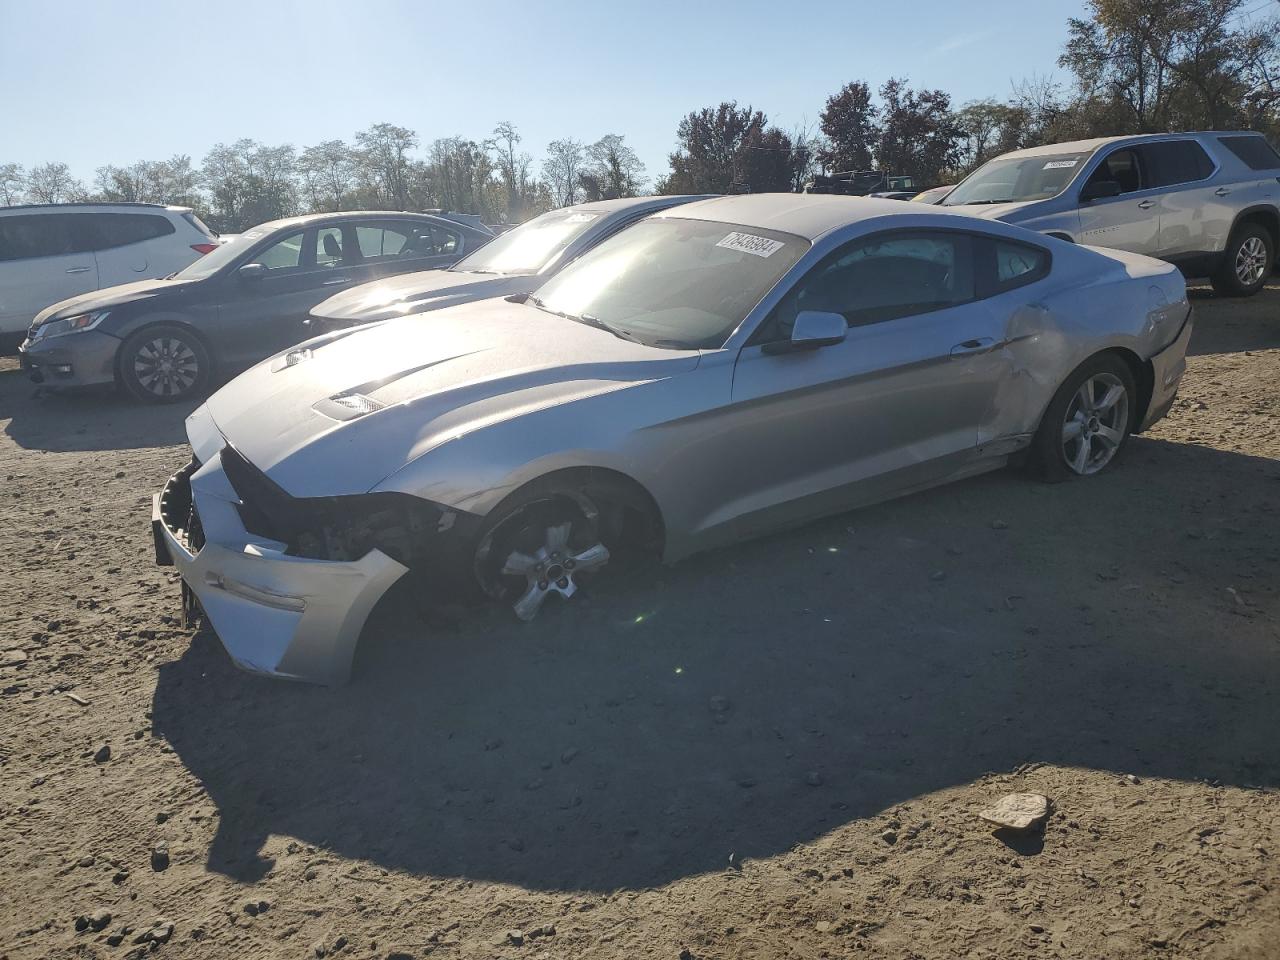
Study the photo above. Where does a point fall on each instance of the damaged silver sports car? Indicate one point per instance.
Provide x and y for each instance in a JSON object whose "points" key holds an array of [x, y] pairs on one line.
{"points": [[716, 371]]}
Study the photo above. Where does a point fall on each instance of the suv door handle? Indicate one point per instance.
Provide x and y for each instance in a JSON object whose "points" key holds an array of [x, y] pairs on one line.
{"points": [[77, 269], [337, 280], [1146, 204], [976, 345], [1221, 192]]}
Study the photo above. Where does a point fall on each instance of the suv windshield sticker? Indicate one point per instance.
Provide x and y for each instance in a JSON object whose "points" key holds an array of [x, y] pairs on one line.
{"points": [[1060, 164], [580, 218], [756, 246]]}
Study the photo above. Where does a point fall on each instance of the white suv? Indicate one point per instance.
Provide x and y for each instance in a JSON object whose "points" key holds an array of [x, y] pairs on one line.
{"points": [[51, 252]]}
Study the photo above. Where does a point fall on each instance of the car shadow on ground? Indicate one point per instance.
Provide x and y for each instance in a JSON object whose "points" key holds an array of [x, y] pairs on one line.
{"points": [[758, 697], [1235, 325], [98, 418]]}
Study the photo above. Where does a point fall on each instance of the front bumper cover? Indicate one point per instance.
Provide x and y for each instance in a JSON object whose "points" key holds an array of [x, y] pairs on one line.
{"points": [[276, 614], [76, 360]]}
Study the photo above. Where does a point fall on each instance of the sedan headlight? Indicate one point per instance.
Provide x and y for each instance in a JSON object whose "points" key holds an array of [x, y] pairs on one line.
{"points": [[77, 324]]}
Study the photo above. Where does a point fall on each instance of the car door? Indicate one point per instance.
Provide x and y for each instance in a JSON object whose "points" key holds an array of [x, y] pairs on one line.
{"points": [[1195, 212], [41, 263], [121, 248], [261, 312], [895, 405], [1131, 220]]}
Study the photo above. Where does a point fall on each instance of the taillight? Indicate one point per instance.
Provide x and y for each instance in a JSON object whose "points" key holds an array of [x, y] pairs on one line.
{"points": [[203, 248]]}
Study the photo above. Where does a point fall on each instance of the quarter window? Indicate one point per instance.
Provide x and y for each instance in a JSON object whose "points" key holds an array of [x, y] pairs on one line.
{"points": [[881, 278], [1256, 153], [1017, 263]]}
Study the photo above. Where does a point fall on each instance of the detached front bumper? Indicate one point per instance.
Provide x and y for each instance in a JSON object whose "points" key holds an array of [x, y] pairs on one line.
{"points": [[1168, 366], [76, 360], [276, 614]]}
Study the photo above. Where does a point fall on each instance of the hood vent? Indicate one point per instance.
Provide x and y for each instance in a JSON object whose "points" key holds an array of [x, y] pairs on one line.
{"points": [[348, 406]]}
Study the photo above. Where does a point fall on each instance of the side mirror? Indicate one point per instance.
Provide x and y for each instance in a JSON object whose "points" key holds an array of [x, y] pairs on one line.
{"points": [[252, 271], [1100, 190], [812, 329]]}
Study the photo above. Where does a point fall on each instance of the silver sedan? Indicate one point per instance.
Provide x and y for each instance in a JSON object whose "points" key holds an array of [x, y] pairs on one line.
{"points": [[715, 372]]}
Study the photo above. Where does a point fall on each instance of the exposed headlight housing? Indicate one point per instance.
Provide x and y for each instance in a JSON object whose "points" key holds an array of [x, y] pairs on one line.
{"points": [[76, 324]]}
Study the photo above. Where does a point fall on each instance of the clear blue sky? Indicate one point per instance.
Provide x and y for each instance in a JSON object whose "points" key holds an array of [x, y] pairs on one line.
{"points": [[96, 82]]}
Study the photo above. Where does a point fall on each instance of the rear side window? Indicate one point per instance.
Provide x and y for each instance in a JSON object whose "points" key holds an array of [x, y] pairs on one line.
{"points": [[1256, 153], [1017, 264], [122, 229], [199, 224], [34, 236], [1176, 161]]}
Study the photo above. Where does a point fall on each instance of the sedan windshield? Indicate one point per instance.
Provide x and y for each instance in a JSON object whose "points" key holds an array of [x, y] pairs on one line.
{"points": [[675, 283], [1017, 179], [531, 246]]}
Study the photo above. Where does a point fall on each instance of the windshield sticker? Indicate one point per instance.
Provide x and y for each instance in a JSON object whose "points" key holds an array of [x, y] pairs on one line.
{"points": [[756, 246], [580, 218], [1060, 164]]}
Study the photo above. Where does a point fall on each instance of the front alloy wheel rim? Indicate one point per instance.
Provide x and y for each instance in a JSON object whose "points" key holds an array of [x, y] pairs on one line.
{"points": [[1251, 261], [1095, 423], [552, 568], [166, 367]]}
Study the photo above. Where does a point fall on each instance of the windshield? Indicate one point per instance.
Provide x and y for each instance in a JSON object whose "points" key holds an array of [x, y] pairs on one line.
{"points": [[1017, 179], [216, 259], [531, 246], [673, 283]]}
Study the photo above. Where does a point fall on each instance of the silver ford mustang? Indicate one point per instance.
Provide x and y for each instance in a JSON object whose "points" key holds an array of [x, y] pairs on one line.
{"points": [[716, 371]]}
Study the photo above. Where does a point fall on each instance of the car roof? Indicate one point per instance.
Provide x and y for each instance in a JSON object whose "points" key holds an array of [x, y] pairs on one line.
{"points": [[1089, 146], [808, 215], [126, 206], [659, 202], [308, 218]]}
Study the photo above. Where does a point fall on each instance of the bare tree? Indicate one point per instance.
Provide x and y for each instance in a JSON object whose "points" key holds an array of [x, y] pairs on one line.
{"points": [[328, 174], [561, 169], [53, 183], [512, 167], [614, 168], [13, 183], [385, 162]]}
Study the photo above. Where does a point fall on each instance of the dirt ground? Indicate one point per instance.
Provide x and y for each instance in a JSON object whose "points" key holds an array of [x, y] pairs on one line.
{"points": [[773, 751]]}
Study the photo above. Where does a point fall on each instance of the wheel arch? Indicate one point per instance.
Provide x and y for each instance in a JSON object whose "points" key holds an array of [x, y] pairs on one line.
{"points": [[603, 488], [146, 320], [1267, 217], [1144, 378]]}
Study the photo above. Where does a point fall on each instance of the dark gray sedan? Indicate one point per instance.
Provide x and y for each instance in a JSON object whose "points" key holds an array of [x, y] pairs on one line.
{"points": [[162, 340]]}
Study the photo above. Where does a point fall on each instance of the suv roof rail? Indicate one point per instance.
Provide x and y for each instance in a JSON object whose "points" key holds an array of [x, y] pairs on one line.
{"points": [[94, 202]]}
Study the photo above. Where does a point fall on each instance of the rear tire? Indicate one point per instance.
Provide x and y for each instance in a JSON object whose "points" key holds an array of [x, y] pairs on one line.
{"points": [[1246, 263], [164, 363], [1087, 421]]}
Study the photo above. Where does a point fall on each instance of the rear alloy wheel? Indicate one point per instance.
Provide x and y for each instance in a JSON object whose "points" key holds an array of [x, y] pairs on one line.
{"points": [[540, 549], [163, 364], [1088, 420], [1246, 263]]}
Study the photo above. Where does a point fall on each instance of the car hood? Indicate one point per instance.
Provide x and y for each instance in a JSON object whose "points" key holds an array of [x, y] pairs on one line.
{"points": [[110, 297], [339, 414], [419, 292], [1009, 212]]}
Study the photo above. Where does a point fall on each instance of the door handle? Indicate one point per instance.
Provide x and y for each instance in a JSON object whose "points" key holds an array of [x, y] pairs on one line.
{"points": [[77, 269], [1221, 192], [1146, 204], [337, 280], [976, 345]]}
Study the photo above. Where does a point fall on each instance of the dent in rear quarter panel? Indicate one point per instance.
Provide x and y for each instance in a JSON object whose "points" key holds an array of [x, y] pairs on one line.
{"points": [[1051, 335]]}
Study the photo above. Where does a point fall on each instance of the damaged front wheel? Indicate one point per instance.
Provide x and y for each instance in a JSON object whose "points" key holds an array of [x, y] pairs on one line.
{"points": [[540, 548]]}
